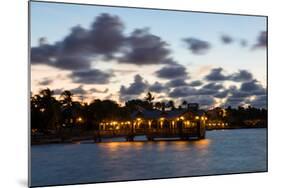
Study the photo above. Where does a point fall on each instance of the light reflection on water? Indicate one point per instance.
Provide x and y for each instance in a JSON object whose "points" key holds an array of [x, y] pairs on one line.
{"points": [[229, 151]]}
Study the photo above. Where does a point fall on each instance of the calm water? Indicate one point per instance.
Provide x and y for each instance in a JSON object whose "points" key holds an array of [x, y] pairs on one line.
{"points": [[223, 151]]}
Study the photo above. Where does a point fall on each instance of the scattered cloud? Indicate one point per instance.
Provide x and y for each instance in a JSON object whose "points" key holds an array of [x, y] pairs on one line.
{"points": [[226, 39], [92, 76], [261, 40], [45, 82], [216, 75], [172, 71], [158, 87], [145, 48], [135, 88], [241, 75], [197, 46]]}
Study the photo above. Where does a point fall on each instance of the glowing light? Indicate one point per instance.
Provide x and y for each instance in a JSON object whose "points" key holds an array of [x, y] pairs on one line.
{"points": [[197, 117], [79, 119], [117, 127], [42, 109], [182, 118], [138, 119], [173, 123], [149, 123], [162, 119]]}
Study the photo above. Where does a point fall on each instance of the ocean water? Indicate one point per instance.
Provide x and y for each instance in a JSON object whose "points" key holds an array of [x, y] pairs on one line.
{"points": [[223, 151]]}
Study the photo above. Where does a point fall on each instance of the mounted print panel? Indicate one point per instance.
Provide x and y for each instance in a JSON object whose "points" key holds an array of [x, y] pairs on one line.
{"points": [[121, 94]]}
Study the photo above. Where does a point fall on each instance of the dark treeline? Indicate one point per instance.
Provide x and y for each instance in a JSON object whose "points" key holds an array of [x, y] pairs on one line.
{"points": [[49, 114]]}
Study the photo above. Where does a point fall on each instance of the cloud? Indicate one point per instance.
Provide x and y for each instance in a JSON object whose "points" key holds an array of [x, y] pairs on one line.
{"points": [[221, 94], [135, 88], [205, 101], [243, 43], [58, 91], [253, 87], [177, 82], [94, 90], [261, 40], [182, 92], [78, 91], [93, 76], [216, 75], [45, 82], [241, 75], [172, 71], [196, 83], [226, 39], [145, 48], [197, 46], [259, 101], [76, 50], [72, 63], [158, 87]]}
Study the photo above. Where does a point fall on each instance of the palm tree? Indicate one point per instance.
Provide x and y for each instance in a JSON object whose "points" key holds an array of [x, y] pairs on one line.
{"points": [[149, 98], [158, 105], [184, 104], [171, 104]]}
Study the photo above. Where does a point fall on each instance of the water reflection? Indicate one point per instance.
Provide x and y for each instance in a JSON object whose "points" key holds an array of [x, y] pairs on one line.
{"points": [[108, 161]]}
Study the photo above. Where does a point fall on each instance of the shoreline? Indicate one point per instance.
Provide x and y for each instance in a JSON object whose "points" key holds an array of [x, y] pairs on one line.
{"points": [[86, 138]]}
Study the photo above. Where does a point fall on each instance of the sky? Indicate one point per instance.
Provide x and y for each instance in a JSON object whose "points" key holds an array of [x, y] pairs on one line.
{"points": [[100, 52]]}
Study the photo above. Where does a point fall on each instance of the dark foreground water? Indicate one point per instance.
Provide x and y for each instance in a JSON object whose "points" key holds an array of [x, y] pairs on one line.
{"points": [[223, 151]]}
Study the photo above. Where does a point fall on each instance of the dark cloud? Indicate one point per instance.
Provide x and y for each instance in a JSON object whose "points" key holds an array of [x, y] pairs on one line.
{"points": [[158, 87], [43, 54], [135, 88], [253, 87], [226, 39], [209, 89], [242, 75], [78, 91], [221, 94], [216, 75], [261, 40], [172, 71], [72, 63], [197, 46], [242, 95], [94, 90], [107, 34], [45, 82], [93, 76], [259, 101], [205, 101], [196, 83], [104, 38], [177, 82], [213, 86], [145, 48], [182, 92]]}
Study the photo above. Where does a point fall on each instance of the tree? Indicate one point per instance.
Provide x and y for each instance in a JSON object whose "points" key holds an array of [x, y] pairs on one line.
{"points": [[149, 98], [184, 103], [158, 105], [171, 104]]}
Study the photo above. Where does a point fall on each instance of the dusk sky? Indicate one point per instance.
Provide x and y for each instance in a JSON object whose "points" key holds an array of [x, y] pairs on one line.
{"points": [[122, 53]]}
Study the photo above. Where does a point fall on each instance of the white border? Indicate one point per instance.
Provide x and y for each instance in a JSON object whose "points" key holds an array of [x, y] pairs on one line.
{"points": [[14, 89]]}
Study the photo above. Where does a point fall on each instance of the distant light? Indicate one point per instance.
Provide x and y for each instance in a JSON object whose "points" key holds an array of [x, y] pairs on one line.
{"points": [[197, 117], [79, 119], [162, 119], [42, 109], [138, 119], [182, 118]]}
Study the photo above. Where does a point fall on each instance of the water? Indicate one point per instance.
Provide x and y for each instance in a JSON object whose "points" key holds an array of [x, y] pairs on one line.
{"points": [[223, 151]]}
